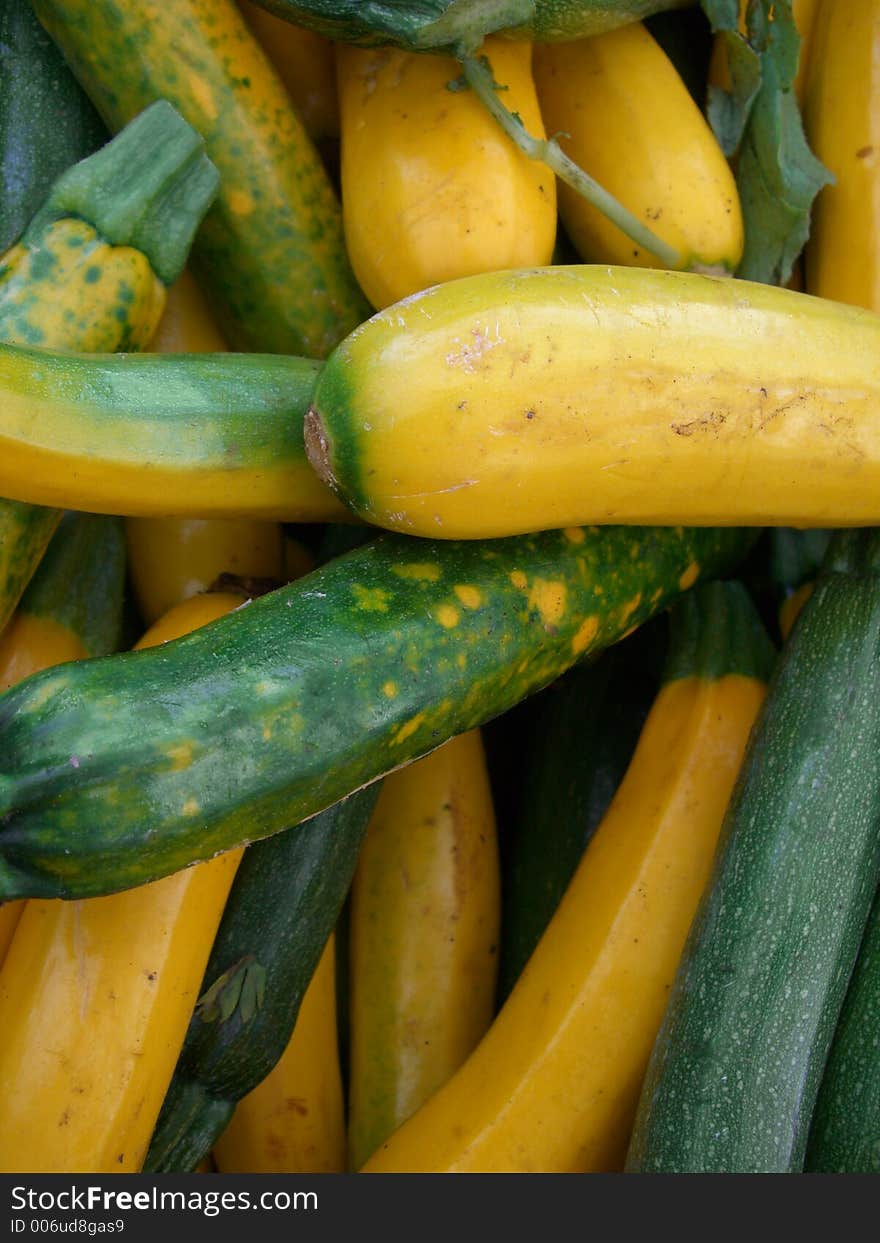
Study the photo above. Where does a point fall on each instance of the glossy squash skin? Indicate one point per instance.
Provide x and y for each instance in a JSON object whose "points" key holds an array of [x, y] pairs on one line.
{"points": [[327, 684], [71, 609], [432, 189], [593, 394], [171, 559], [626, 117], [271, 251], [112, 982], [442, 26], [306, 64], [46, 120], [75, 281], [294, 1121], [553, 1086], [423, 932], [842, 121], [737, 1065]]}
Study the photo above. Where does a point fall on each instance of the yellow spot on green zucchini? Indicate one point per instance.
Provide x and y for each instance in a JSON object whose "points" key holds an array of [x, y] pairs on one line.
{"points": [[408, 728], [586, 633], [470, 597], [421, 571], [371, 599], [448, 615]]}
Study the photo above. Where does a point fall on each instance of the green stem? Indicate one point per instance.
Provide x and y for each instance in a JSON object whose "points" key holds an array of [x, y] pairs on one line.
{"points": [[479, 77]]}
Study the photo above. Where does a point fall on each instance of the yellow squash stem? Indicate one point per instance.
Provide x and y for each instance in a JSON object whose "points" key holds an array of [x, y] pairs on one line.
{"points": [[95, 998], [623, 113], [294, 1121], [553, 1085], [424, 938], [171, 559], [842, 120], [305, 63], [432, 188]]}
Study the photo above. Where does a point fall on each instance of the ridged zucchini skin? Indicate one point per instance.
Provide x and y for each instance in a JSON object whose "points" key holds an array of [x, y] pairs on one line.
{"points": [[317, 689], [46, 120], [736, 1067], [429, 26], [281, 909], [199, 436], [580, 742], [845, 1134], [271, 250]]}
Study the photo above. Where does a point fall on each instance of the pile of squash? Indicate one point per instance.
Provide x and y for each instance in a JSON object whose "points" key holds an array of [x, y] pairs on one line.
{"points": [[439, 586]]}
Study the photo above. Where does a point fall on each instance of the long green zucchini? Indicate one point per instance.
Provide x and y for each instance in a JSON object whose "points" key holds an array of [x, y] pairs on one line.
{"points": [[283, 906], [736, 1067], [271, 249], [580, 742], [46, 120], [115, 772], [845, 1133]]}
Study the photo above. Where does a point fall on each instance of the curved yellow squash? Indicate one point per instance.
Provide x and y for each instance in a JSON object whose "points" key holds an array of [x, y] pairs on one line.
{"points": [[424, 938], [553, 1086], [625, 116], [524, 401], [95, 998], [432, 189], [294, 1121], [842, 119], [171, 559]]}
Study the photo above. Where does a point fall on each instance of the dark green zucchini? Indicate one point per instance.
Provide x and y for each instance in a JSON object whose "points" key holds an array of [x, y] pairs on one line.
{"points": [[283, 906], [280, 709], [448, 25], [47, 122], [80, 582], [581, 738], [845, 1134], [735, 1071]]}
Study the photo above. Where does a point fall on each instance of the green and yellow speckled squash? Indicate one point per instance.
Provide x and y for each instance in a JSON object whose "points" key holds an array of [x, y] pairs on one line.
{"points": [[271, 250], [115, 772], [89, 273]]}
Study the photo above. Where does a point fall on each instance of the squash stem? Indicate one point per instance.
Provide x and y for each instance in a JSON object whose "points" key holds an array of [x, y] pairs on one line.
{"points": [[478, 74]]}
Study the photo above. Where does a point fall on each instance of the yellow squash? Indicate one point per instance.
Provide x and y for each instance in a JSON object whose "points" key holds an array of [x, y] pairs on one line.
{"points": [[171, 559], [424, 938], [432, 189], [95, 998], [10, 913], [525, 401], [305, 63], [294, 1122], [553, 1085], [842, 118], [625, 116]]}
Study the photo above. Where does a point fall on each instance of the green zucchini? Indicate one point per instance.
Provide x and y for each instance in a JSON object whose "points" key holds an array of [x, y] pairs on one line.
{"points": [[282, 908], [280, 709], [447, 25], [79, 584], [735, 1071], [581, 738], [845, 1133], [271, 251], [70, 284], [46, 121]]}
